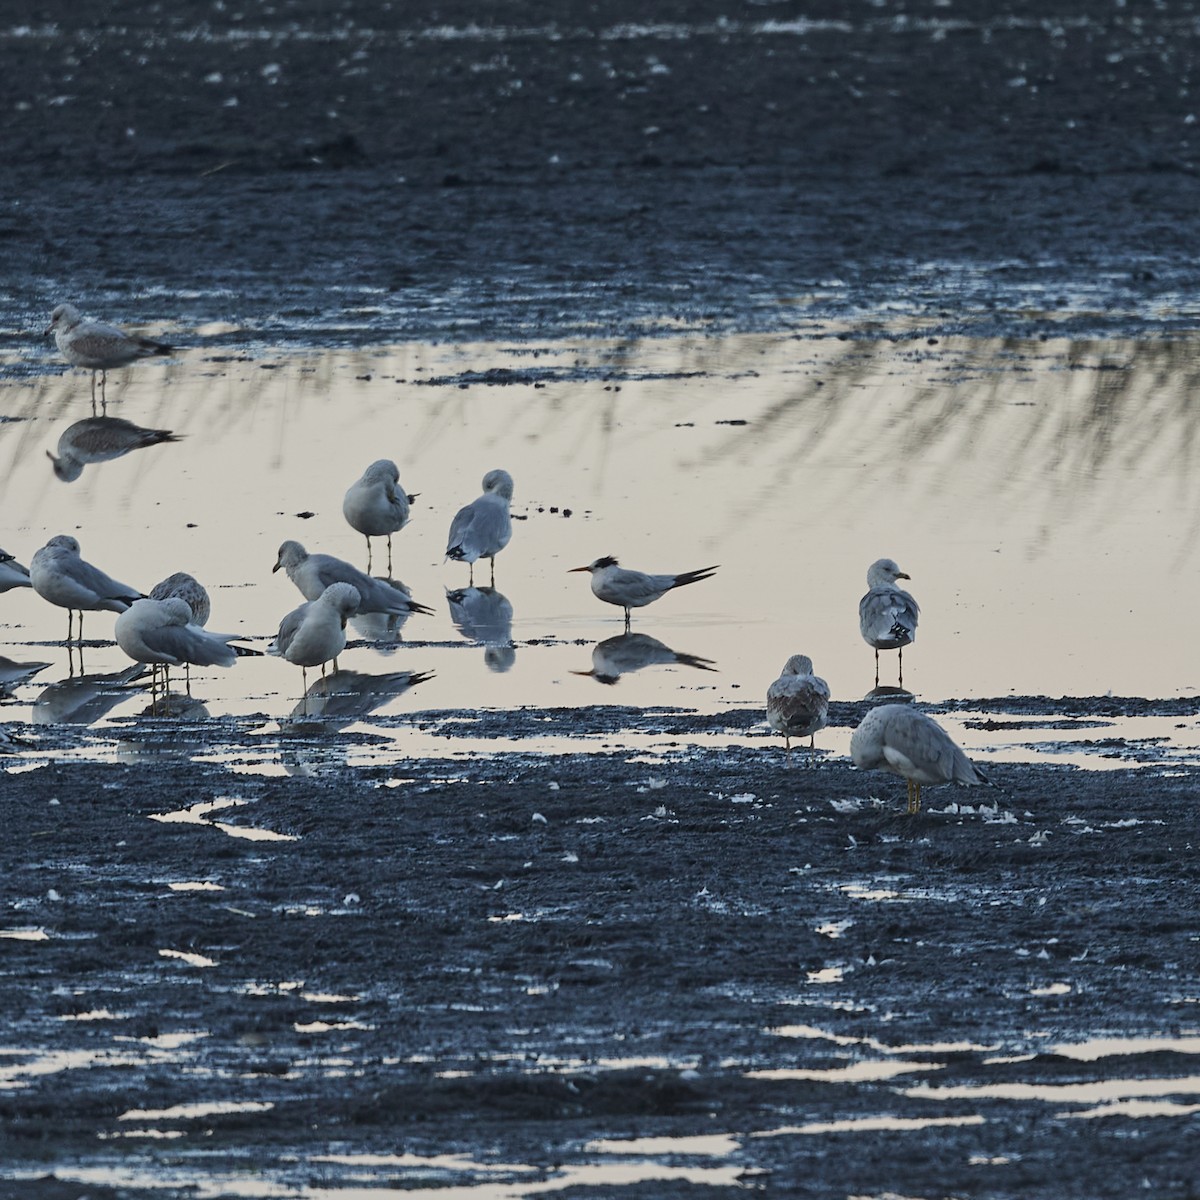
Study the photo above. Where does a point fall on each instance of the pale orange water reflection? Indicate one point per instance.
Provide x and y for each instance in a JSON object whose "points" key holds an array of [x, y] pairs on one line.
{"points": [[1044, 497]]}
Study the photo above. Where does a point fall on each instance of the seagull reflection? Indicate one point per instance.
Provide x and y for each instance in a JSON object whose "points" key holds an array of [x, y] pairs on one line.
{"points": [[617, 656], [484, 615], [347, 696], [101, 439], [84, 699], [13, 673]]}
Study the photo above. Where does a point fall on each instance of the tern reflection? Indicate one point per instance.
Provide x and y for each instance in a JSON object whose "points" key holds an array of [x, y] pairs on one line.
{"points": [[484, 615], [101, 439], [347, 696], [85, 699], [617, 656]]}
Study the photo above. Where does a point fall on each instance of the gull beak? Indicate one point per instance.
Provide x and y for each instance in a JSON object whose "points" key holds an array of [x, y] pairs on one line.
{"points": [[276, 567], [574, 569], [48, 330], [903, 575]]}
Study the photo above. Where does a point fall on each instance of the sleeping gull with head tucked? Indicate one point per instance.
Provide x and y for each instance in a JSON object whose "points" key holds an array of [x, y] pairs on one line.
{"points": [[887, 615], [97, 346], [483, 528], [798, 703], [377, 506], [900, 739], [62, 577]]}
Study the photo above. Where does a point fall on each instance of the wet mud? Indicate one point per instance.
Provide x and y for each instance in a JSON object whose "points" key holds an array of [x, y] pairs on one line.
{"points": [[236, 957]]}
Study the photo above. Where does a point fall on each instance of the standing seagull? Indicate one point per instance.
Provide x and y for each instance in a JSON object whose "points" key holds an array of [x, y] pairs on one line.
{"points": [[377, 505], [313, 573], [887, 615], [12, 573], [62, 577], [614, 584], [798, 703], [483, 528], [163, 633], [96, 346], [99, 439], [899, 739], [315, 633]]}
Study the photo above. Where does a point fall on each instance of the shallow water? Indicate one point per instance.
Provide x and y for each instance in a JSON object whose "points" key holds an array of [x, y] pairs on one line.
{"points": [[1042, 495]]}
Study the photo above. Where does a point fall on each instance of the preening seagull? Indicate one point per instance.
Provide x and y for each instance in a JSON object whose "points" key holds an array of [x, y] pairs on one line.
{"points": [[62, 577], [627, 589], [798, 703], [887, 615], [483, 528], [97, 346], [377, 506], [313, 573], [100, 439], [900, 739]]}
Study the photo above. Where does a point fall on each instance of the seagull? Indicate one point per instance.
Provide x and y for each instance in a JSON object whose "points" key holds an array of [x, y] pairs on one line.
{"points": [[100, 439], [377, 506], [887, 615], [313, 573], [483, 528], [617, 656], [347, 696], [904, 741], [185, 587], [62, 577], [12, 573], [614, 584], [162, 633], [798, 703], [96, 346], [84, 699], [315, 633]]}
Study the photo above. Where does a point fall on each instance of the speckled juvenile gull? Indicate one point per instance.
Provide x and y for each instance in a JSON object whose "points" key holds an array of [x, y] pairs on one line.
{"points": [[62, 577], [97, 346], [377, 506], [483, 528], [101, 439], [627, 652], [798, 702], [628, 589], [12, 573], [315, 633], [313, 573], [187, 588], [900, 739], [887, 615]]}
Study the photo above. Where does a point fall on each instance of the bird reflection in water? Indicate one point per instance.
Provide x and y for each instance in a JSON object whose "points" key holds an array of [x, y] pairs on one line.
{"points": [[343, 697], [485, 616], [85, 699], [101, 439], [617, 656], [14, 674]]}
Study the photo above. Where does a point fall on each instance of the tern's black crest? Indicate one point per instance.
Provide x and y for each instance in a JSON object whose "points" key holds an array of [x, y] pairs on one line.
{"points": [[608, 561]]}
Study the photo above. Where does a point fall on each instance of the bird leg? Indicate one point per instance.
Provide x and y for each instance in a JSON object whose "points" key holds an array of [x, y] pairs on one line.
{"points": [[876, 666], [492, 560], [627, 620], [787, 751], [368, 554], [81, 629], [471, 576], [812, 749], [389, 556], [900, 652]]}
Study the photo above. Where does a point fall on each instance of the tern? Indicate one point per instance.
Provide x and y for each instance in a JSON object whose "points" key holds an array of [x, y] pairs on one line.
{"points": [[483, 528], [377, 506], [96, 346], [798, 703], [61, 576], [904, 741], [614, 584], [887, 615]]}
